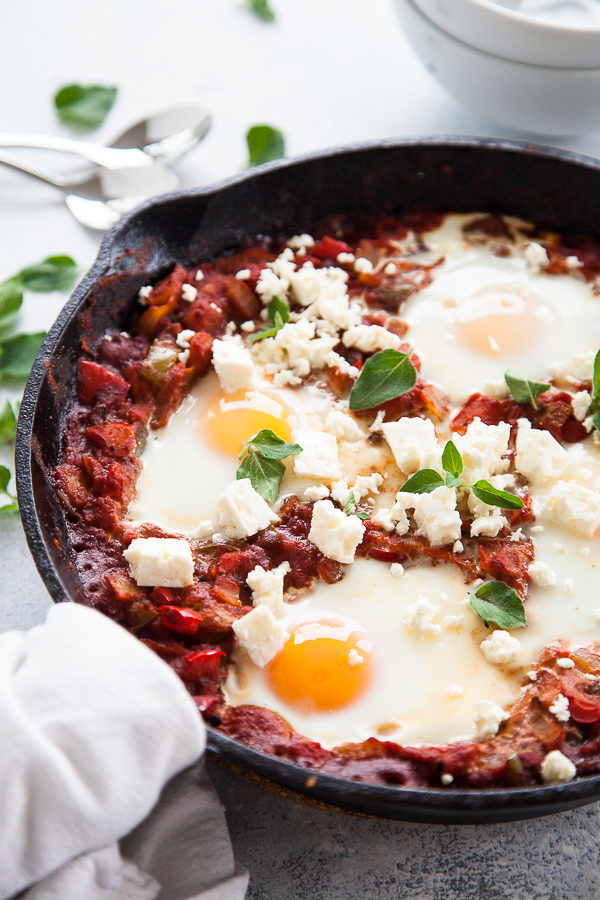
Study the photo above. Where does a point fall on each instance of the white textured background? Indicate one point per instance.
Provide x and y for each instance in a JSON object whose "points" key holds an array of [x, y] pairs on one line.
{"points": [[328, 72]]}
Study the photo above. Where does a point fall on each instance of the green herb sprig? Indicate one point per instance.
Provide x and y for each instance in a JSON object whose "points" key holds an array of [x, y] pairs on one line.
{"points": [[84, 106], [8, 424], [279, 314], [265, 144], [262, 462], [262, 9], [426, 480], [12, 505], [523, 390], [496, 602], [385, 376], [350, 507]]}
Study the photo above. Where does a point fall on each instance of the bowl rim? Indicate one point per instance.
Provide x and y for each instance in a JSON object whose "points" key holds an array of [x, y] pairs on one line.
{"points": [[491, 28], [443, 805]]}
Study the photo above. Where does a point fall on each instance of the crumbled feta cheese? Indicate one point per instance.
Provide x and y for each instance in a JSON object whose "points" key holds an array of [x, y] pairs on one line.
{"points": [[541, 574], [345, 258], [301, 240], [319, 456], [496, 388], [189, 293], [295, 347], [447, 778], [336, 361], [572, 506], [243, 274], [260, 634], [376, 426], [457, 547], [436, 516], [143, 294], [585, 551], [419, 617], [269, 285], [413, 443], [310, 285], [536, 256], [481, 448], [363, 265], [383, 518], [160, 562], [199, 275], [560, 708], [488, 717], [537, 529], [581, 403], [334, 533], [369, 338], [203, 529], [241, 511], [532, 675], [453, 621], [565, 663], [517, 536], [569, 586], [184, 337], [396, 569], [539, 456], [248, 327], [487, 526], [316, 492], [501, 648], [354, 657], [557, 768], [454, 690], [343, 426], [597, 615], [267, 586], [573, 262], [390, 269], [183, 356], [233, 364]]}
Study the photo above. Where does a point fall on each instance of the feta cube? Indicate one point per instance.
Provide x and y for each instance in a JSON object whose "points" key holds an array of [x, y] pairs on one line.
{"points": [[572, 506], [160, 562], [343, 426], [581, 403], [413, 443], [437, 518], [557, 768], [481, 448], [241, 511], [488, 717], [267, 586], [319, 457], [260, 634], [501, 648], [539, 456], [233, 364], [334, 533]]}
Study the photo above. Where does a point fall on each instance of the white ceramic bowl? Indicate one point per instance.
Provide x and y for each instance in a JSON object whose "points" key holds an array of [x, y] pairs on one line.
{"points": [[549, 100], [509, 33]]}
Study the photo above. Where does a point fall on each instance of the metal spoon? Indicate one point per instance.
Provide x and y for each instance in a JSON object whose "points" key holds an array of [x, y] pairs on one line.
{"points": [[164, 136], [99, 200]]}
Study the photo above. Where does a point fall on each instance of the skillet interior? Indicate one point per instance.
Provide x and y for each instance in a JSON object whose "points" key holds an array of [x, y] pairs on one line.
{"points": [[555, 189]]}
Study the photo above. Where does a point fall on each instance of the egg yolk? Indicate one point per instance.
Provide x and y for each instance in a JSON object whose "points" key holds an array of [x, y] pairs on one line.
{"points": [[506, 320], [229, 420], [323, 666]]}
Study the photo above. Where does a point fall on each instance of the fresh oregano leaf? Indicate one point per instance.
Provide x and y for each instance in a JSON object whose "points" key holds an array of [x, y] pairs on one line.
{"points": [[269, 445], [596, 378], [350, 504], [56, 273], [279, 314], [262, 10], [452, 460], [362, 515], [265, 143], [84, 106], [18, 353], [11, 297], [265, 474], [8, 424], [496, 602], [452, 480], [423, 482], [384, 376], [523, 390], [12, 505], [493, 496], [596, 420]]}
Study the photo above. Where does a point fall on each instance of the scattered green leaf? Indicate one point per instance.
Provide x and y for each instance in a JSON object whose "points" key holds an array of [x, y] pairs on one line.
{"points": [[56, 273], [12, 505], [84, 106], [262, 10], [493, 496], [362, 515], [265, 144], [265, 474], [270, 445], [452, 460], [11, 297], [8, 424], [495, 602], [423, 482], [279, 314], [596, 378], [523, 390], [18, 353], [350, 504], [596, 420], [384, 376]]}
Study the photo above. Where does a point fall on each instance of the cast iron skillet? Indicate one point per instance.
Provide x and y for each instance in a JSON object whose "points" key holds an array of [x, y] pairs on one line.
{"points": [[556, 189]]}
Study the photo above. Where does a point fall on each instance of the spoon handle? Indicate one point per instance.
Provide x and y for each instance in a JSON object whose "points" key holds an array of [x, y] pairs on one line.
{"points": [[33, 171], [107, 157]]}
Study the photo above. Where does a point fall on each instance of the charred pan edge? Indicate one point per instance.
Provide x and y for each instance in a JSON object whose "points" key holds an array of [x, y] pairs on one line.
{"points": [[567, 202]]}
